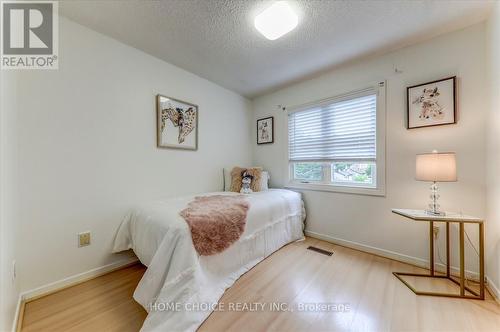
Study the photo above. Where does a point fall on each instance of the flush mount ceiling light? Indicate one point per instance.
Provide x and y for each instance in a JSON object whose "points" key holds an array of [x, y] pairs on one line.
{"points": [[276, 21]]}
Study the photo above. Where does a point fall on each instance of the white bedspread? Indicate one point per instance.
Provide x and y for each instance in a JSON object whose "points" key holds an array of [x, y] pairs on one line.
{"points": [[180, 288]]}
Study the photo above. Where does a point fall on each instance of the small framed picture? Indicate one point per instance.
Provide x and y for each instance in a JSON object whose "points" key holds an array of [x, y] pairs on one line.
{"points": [[265, 130], [177, 123], [432, 104]]}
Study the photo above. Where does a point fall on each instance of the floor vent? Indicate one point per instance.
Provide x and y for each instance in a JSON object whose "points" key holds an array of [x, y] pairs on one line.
{"points": [[321, 251]]}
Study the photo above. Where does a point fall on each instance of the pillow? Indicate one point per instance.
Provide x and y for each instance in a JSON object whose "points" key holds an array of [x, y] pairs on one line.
{"points": [[264, 181], [227, 179], [236, 178]]}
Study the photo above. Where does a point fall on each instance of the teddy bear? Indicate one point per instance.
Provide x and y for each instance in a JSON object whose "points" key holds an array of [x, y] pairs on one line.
{"points": [[245, 183]]}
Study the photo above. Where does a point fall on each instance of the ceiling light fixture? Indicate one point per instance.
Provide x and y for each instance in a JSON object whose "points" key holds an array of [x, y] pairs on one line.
{"points": [[276, 21]]}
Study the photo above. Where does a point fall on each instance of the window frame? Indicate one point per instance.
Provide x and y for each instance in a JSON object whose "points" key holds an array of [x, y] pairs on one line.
{"points": [[379, 189]]}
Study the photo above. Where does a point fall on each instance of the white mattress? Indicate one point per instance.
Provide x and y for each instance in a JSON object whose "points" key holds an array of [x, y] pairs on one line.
{"points": [[180, 288]]}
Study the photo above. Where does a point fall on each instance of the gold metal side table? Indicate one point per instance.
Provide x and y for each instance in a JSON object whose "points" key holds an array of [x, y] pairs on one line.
{"points": [[421, 215]]}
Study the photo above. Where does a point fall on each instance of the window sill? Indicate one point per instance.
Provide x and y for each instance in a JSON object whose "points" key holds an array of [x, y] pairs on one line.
{"points": [[337, 189]]}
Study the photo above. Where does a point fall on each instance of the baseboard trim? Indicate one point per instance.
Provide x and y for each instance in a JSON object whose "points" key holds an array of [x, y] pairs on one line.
{"points": [[18, 315], [493, 289], [75, 279], [62, 284], [419, 262]]}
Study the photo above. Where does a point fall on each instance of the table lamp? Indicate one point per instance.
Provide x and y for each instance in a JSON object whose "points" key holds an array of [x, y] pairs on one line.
{"points": [[436, 167]]}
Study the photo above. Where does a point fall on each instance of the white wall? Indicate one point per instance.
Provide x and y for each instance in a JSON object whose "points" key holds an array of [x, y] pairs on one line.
{"points": [[493, 149], [87, 148], [8, 192], [367, 220]]}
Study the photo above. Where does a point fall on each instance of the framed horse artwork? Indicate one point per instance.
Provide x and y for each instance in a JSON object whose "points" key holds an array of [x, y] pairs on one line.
{"points": [[177, 123]]}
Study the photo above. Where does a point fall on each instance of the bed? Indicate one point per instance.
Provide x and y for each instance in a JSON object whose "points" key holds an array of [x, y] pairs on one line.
{"points": [[180, 288]]}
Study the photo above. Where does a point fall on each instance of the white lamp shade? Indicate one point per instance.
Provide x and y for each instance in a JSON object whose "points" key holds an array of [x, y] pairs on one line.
{"points": [[436, 167]]}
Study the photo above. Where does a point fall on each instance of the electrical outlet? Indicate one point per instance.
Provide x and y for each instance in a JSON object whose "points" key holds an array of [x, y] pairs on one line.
{"points": [[83, 239], [435, 230]]}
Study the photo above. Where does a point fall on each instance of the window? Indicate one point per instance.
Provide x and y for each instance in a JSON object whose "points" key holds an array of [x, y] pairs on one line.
{"points": [[338, 144]]}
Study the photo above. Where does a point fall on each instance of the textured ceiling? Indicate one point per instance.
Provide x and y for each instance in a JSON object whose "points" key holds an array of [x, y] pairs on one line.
{"points": [[216, 39]]}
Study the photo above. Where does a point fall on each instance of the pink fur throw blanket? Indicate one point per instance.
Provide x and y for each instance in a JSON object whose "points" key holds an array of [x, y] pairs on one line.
{"points": [[216, 222]]}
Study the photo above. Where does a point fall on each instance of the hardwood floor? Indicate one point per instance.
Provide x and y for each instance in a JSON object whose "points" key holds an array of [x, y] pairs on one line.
{"points": [[101, 304], [294, 276]]}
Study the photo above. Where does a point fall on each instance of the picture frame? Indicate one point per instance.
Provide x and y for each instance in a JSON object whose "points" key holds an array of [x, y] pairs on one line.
{"points": [[265, 130], [176, 123], [432, 104]]}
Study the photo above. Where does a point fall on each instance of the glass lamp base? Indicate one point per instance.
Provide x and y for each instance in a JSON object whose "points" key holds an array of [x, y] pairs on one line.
{"points": [[434, 206]]}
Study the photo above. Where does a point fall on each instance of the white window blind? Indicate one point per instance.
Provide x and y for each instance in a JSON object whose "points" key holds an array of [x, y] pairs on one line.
{"points": [[340, 130]]}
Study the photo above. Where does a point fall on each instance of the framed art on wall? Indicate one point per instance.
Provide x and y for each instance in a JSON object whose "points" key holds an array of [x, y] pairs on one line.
{"points": [[432, 103], [177, 123], [265, 130]]}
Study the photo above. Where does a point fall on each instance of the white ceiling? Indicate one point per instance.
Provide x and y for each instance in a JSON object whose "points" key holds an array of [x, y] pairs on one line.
{"points": [[216, 39]]}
